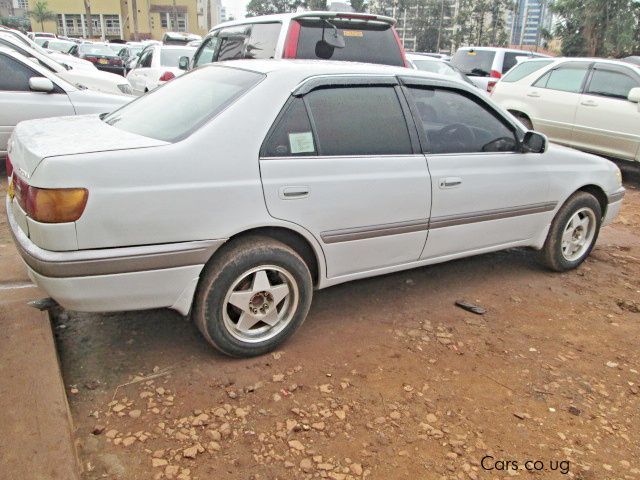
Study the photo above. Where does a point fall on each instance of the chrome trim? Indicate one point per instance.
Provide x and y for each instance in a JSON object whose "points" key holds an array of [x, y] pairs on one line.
{"points": [[487, 215], [616, 196], [348, 157], [106, 261], [361, 233]]}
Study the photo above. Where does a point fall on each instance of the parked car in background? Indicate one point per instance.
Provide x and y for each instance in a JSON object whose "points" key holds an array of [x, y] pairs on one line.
{"points": [[355, 37], [486, 65], [441, 56], [587, 103], [62, 46], [429, 63], [92, 79], [332, 178], [101, 55], [61, 58], [41, 40], [157, 65], [130, 54], [179, 38], [34, 35], [29, 90]]}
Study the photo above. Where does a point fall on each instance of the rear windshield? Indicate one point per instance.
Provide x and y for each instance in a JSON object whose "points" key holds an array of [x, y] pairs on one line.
{"points": [[364, 42], [524, 69], [173, 111], [475, 63], [169, 57], [93, 49]]}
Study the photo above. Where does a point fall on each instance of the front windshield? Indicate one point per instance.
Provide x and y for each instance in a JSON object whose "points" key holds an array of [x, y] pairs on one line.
{"points": [[60, 46], [176, 109]]}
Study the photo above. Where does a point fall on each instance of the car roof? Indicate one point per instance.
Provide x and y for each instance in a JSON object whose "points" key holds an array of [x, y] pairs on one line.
{"points": [[299, 70], [281, 17], [501, 49], [611, 61], [421, 56]]}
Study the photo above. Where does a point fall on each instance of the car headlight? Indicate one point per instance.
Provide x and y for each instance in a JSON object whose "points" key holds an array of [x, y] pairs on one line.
{"points": [[125, 88], [619, 176]]}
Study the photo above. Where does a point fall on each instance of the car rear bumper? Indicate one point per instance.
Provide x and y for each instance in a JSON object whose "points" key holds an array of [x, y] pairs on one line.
{"points": [[115, 279], [111, 69]]}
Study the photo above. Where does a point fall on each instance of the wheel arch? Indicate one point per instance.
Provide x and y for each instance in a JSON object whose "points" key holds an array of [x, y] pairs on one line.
{"points": [[600, 195], [304, 246]]}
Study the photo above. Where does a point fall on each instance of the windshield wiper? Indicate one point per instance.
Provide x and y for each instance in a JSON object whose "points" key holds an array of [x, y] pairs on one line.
{"points": [[478, 72]]}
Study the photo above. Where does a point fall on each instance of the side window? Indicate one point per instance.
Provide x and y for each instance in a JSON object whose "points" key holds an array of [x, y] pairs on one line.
{"points": [[146, 59], [509, 62], [15, 76], [610, 83], [207, 52], [232, 41], [456, 123], [262, 41], [566, 78], [359, 121], [292, 135]]}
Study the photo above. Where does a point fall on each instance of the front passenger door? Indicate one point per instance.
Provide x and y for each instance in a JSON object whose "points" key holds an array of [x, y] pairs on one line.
{"points": [[486, 193]]}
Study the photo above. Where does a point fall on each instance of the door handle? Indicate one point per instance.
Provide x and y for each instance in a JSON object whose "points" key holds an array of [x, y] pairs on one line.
{"points": [[292, 193], [450, 182], [589, 103], [533, 94]]}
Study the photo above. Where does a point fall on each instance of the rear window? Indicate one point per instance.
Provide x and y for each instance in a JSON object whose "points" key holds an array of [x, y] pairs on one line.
{"points": [[169, 57], [475, 63], [525, 69], [179, 107], [364, 42]]}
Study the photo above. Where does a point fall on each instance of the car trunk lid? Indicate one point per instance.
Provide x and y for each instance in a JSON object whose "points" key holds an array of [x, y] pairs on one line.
{"points": [[35, 140]]}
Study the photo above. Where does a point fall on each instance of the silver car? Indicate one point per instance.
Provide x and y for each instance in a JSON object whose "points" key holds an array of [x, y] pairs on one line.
{"points": [[269, 179]]}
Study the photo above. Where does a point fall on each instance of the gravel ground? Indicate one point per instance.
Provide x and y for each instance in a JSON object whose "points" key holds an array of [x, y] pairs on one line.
{"points": [[386, 379]]}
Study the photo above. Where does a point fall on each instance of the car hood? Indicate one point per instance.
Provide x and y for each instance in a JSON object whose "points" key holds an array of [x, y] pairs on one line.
{"points": [[75, 63], [95, 80], [35, 140]]}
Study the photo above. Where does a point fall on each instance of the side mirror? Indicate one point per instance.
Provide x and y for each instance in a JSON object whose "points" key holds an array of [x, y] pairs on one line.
{"points": [[534, 142], [183, 63], [634, 95], [41, 84]]}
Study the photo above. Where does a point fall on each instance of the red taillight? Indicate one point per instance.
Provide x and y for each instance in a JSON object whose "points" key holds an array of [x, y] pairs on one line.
{"points": [[291, 43], [166, 76], [401, 47], [115, 61], [490, 86], [495, 74], [9, 166], [356, 16], [91, 59], [50, 205]]}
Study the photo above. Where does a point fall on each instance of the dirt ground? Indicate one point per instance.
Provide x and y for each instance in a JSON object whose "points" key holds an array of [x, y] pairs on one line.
{"points": [[387, 379]]}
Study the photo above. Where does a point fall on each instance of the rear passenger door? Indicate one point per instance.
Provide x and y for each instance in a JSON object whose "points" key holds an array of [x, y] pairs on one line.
{"points": [[486, 193], [342, 162], [606, 122]]}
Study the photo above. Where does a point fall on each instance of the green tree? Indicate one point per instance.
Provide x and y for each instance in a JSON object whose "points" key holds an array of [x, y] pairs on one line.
{"points": [[482, 22], [358, 5], [316, 5], [41, 13], [603, 28]]}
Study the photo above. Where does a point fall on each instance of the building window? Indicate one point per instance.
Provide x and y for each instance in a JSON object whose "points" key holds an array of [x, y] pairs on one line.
{"points": [[112, 24], [167, 21], [23, 4]]}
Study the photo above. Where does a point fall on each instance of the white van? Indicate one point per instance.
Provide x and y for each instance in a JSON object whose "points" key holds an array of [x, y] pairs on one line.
{"points": [[486, 65]]}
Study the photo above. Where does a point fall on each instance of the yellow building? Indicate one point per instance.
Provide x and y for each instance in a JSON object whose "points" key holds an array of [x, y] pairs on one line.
{"points": [[132, 19]]}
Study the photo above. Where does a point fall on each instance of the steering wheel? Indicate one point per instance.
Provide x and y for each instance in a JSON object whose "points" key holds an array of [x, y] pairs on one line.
{"points": [[457, 137]]}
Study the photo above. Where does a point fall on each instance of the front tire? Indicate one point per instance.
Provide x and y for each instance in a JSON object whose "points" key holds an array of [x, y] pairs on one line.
{"points": [[573, 233], [252, 296]]}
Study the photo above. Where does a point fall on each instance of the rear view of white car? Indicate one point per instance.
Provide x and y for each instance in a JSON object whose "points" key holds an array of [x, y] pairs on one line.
{"points": [[485, 65], [29, 91], [589, 104], [157, 65]]}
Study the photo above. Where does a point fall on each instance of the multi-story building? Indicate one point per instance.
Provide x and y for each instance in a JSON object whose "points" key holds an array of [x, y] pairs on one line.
{"points": [[13, 8], [527, 20], [127, 19]]}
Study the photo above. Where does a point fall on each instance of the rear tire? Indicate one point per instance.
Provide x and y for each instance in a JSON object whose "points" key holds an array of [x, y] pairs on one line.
{"points": [[252, 296], [573, 233]]}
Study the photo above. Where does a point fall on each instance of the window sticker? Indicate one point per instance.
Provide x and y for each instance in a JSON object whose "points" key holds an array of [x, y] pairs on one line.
{"points": [[301, 142]]}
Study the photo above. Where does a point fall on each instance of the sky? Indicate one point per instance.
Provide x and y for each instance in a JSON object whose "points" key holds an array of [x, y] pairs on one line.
{"points": [[235, 7]]}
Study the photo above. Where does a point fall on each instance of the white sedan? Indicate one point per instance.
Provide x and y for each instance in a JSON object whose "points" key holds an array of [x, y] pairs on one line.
{"points": [[157, 65], [586, 103], [234, 191], [29, 91]]}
